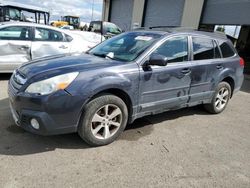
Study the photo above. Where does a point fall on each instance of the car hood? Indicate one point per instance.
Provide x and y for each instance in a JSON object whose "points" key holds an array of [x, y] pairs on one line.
{"points": [[64, 64]]}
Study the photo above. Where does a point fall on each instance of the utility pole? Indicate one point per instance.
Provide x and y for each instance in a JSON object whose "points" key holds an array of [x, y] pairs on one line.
{"points": [[92, 10]]}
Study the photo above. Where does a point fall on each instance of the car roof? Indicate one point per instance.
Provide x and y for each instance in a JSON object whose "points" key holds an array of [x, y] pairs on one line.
{"points": [[30, 24]]}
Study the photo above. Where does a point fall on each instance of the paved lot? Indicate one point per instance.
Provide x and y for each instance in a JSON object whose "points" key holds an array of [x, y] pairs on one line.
{"points": [[184, 148]]}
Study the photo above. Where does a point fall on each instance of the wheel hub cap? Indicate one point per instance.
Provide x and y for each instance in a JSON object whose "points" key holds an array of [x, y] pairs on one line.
{"points": [[222, 98]]}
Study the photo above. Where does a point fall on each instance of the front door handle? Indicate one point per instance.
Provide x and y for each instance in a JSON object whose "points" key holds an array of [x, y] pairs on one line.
{"points": [[186, 71], [220, 67], [63, 47]]}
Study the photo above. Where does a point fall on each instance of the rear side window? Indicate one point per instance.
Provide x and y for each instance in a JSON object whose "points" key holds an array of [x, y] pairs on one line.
{"points": [[203, 48], [42, 34], [68, 38], [226, 50]]}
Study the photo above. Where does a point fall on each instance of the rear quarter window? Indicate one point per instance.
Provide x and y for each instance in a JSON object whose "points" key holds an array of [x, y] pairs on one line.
{"points": [[226, 49], [203, 48]]}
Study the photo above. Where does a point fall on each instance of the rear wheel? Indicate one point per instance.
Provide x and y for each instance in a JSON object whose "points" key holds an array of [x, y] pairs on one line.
{"points": [[103, 120], [220, 98]]}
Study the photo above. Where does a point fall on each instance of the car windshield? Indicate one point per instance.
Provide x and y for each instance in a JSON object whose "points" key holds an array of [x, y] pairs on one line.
{"points": [[125, 47]]}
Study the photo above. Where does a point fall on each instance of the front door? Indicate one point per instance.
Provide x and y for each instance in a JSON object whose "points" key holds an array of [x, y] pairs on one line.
{"points": [[15, 47], [48, 42], [166, 87]]}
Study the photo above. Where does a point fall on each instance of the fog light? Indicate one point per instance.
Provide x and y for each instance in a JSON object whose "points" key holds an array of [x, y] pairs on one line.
{"points": [[34, 123]]}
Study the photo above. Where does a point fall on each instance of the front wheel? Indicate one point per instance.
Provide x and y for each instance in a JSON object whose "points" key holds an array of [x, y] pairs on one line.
{"points": [[220, 98], [103, 120]]}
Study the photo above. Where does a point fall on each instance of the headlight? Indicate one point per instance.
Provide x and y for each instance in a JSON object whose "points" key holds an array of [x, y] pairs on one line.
{"points": [[50, 85]]}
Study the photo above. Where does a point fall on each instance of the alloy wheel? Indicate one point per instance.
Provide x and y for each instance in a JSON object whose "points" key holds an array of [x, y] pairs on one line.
{"points": [[106, 121], [222, 98]]}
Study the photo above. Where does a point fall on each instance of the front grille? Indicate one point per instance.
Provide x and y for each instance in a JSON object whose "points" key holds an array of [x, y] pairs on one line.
{"points": [[25, 120]]}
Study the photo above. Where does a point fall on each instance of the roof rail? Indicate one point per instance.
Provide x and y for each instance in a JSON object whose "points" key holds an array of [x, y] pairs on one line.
{"points": [[166, 28], [171, 29]]}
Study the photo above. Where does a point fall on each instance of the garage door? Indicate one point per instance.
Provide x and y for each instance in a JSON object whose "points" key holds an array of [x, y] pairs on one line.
{"points": [[163, 12], [231, 12], [121, 13]]}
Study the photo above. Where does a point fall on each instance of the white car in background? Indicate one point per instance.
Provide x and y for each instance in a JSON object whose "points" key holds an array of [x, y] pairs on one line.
{"points": [[21, 42]]}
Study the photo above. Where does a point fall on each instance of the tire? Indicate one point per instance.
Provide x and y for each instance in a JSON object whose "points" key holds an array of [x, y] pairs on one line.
{"points": [[103, 120], [220, 99]]}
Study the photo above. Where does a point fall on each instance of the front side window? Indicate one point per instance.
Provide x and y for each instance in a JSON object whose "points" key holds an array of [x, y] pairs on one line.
{"points": [[175, 49], [42, 34], [125, 47], [226, 50], [15, 33]]}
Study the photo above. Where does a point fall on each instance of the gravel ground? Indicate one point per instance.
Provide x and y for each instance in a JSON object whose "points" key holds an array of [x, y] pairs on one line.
{"points": [[184, 148]]}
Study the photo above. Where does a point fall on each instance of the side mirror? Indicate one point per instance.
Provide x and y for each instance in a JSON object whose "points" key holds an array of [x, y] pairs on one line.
{"points": [[157, 59]]}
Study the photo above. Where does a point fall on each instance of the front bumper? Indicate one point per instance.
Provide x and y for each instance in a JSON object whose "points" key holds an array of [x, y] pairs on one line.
{"points": [[56, 114]]}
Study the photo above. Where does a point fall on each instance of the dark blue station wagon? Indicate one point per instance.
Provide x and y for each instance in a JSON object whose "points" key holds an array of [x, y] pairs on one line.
{"points": [[126, 77]]}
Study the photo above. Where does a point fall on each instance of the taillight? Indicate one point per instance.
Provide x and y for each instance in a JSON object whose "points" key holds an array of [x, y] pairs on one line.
{"points": [[242, 62]]}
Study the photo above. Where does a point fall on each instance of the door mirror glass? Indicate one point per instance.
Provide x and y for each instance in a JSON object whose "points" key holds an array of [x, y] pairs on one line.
{"points": [[157, 59]]}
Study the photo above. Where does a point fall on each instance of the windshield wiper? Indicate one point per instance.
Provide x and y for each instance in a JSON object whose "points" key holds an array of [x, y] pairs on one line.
{"points": [[106, 56], [99, 55]]}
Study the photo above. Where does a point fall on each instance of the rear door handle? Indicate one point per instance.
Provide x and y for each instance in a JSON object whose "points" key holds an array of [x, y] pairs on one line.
{"points": [[186, 71], [220, 67]]}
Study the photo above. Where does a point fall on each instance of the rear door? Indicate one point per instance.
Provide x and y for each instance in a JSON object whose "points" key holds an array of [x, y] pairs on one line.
{"points": [[220, 66], [166, 87], [48, 42], [205, 53], [15, 44]]}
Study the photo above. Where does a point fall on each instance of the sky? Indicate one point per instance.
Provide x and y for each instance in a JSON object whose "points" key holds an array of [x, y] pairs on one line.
{"points": [[58, 8]]}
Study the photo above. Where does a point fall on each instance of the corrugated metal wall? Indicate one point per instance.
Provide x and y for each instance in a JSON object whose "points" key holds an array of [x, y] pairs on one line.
{"points": [[163, 12], [226, 12], [121, 13]]}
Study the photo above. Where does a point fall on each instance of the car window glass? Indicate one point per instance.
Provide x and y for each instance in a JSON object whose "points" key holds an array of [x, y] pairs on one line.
{"points": [[125, 47], [175, 49], [203, 48], [68, 38], [15, 33], [96, 27], [226, 50], [14, 14], [111, 28], [42, 34]]}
